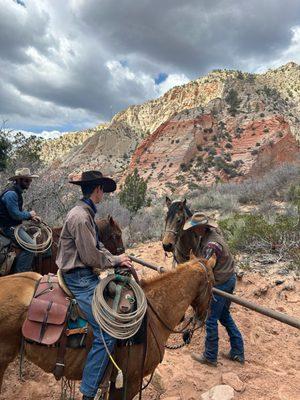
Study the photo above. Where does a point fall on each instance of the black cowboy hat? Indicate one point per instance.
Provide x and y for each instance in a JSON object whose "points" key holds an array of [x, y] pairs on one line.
{"points": [[93, 177]]}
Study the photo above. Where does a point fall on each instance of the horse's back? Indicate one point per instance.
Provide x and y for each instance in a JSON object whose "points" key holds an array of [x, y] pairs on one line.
{"points": [[16, 290]]}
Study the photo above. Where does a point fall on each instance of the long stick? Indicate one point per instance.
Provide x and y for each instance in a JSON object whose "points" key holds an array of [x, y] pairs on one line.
{"points": [[286, 319]]}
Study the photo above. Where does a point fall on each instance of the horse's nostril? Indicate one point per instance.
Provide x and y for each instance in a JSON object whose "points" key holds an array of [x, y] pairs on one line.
{"points": [[168, 246]]}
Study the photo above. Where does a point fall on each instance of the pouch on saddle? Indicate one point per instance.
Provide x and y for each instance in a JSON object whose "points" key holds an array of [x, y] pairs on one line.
{"points": [[48, 312]]}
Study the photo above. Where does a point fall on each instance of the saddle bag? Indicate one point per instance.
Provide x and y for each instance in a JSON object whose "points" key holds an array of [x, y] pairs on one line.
{"points": [[48, 313], [7, 255]]}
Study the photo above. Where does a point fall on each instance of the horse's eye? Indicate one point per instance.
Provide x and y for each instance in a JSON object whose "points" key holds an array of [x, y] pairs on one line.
{"points": [[179, 220]]}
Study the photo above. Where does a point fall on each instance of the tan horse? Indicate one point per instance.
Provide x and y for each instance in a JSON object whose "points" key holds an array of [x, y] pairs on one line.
{"points": [[170, 294]]}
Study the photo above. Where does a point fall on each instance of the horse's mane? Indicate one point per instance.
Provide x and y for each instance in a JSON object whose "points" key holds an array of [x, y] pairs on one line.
{"points": [[158, 278], [174, 208]]}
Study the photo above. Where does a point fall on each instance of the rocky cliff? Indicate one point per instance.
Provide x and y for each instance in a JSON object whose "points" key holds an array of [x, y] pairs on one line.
{"points": [[226, 125]]}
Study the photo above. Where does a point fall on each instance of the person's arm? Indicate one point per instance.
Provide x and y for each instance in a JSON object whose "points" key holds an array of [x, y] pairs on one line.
{"points": [[212, 248], [86, 244], [10, 199]]}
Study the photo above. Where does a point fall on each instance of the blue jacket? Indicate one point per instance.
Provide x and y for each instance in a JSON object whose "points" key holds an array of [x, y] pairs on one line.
{"points": [[11, 207]]}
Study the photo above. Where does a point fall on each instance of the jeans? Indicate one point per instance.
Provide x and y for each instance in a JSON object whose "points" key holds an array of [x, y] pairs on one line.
{"points": [[24, 260], [82, 283], [219, 311]]}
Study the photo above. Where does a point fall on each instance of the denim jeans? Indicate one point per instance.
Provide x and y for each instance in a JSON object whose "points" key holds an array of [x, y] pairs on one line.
{"points": [[82, 283], [24, 260], [219, 311]]}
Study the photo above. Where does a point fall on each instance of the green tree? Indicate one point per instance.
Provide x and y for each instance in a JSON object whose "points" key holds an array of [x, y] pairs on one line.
{"points": [[133, 193], [233, 101], [26, 149], [5, 147]]}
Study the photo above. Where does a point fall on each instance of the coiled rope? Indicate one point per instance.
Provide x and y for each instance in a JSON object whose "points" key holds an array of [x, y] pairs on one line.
{"points": [[119, 326], [42, 231]]}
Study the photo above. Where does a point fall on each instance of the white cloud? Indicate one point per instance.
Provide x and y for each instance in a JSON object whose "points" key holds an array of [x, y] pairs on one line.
{"points": [[72, 64]]}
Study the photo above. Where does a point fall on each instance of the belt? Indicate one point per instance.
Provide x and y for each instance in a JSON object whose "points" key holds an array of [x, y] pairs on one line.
{"points": [[70, 271]]}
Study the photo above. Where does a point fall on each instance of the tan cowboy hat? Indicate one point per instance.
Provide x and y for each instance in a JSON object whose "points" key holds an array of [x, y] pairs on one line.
{"points": [[199, 219], [93, 177], [22, 173]]}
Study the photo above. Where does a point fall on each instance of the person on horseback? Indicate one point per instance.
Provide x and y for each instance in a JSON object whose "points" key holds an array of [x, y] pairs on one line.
{"points": [[80, 251], [12, 215], [211, 241]]}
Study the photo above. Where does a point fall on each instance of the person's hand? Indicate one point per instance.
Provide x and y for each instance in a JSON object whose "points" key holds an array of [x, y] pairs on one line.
{"points": [[124, 261], [34, 216]]}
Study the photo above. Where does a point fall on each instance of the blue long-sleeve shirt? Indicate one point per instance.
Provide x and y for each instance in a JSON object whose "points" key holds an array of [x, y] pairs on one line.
{"points": [[10, 199]]}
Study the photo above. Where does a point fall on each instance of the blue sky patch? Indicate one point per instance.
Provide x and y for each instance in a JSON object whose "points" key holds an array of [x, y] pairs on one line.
{"points": [[161, 77]]}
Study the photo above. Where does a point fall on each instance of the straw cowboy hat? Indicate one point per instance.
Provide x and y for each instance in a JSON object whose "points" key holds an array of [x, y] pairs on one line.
{"points": [[22, 173], [199, 219], [93, 177]]}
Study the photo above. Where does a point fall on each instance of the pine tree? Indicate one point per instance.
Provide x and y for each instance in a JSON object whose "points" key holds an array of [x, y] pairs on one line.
{"points": [[133, 194]]}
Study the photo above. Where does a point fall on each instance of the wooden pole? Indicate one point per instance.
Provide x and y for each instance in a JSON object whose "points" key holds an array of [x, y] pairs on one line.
{"points": [[286, 319]]}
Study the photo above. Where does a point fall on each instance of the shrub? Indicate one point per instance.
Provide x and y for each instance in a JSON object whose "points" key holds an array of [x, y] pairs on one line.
{"points": [[254, 234], [228, 145]]}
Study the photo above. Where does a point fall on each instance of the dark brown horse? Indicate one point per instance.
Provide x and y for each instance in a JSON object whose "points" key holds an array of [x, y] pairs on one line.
{"points": [[109, 232], [175, 239]]}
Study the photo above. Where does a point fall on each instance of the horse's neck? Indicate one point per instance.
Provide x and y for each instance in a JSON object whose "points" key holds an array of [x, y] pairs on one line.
{"points": [[187, 241], [173, 293]]}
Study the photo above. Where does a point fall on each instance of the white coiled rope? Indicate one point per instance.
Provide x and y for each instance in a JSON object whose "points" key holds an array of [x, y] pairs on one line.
{"points": [[119, 326], [42, 230]]}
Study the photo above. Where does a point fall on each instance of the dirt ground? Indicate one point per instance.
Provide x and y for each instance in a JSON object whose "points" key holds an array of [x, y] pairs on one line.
{"points": [[271, 371]]}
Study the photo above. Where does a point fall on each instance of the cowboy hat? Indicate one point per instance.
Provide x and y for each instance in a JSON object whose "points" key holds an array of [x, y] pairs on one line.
{"points": [[93, 177], [22, 173], [199, 219]]}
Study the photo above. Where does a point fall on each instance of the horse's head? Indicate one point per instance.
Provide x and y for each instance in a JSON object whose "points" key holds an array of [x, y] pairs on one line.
{"points": [[177, 215], [111, 235], [202, 300]]}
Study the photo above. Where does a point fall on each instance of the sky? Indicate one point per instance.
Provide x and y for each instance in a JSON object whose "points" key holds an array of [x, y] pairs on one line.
{"points": [[69, 65]]}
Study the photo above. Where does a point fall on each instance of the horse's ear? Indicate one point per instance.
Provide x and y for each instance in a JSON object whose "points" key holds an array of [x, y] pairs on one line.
{"points": [[184, 203], [192, 255], [211, 262], [111, 220], [168, 202]]}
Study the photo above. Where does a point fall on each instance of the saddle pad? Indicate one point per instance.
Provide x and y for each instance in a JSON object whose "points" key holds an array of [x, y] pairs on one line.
{"points": [[47, 314]]}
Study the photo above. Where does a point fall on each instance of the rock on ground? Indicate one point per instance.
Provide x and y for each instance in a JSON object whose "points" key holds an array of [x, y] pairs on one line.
{"points": [[219, 392]]}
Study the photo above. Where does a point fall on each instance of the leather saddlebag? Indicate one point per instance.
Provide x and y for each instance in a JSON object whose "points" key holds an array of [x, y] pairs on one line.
{"points": [[47, 314]]}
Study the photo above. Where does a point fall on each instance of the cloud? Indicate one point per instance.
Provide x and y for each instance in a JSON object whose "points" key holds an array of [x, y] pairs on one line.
{"points": [[69, 65]]}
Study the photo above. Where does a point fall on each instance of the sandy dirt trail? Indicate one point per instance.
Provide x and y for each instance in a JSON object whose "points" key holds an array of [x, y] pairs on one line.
{"points": [[271, 371]]}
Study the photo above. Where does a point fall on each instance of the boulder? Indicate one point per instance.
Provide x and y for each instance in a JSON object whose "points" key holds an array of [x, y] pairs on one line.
{"points": [[234, 381], [219, 392]]}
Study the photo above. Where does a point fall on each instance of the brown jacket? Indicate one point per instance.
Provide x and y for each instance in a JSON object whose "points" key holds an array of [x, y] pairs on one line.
{"points": [[224, 267], [78, 242]]}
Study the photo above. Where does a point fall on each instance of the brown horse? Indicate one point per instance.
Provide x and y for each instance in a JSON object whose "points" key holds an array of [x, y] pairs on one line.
{"points": [[193, 280], [109, 232], [175, 240]]}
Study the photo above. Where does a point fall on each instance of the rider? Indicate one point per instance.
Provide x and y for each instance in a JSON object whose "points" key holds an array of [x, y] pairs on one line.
{"points": [[79, 251], [12, 215], [211, 242]]}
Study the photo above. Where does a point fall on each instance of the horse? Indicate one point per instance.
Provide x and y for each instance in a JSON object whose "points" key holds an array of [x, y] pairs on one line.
{"points": [[109, 232], [193, 280], [175, 239]]}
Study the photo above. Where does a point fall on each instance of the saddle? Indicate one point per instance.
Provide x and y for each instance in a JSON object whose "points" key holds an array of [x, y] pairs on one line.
{"points": [[53, 317]]}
